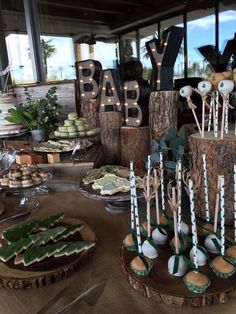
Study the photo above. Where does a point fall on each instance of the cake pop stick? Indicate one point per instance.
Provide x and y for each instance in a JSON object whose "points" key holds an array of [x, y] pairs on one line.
{"points": [[216, 114], [226, 119], [205, 187], [138, 234], [193, 221], [179, 185], [217, 205], [204, 88], [162, 183], [210, 116], [225, 87], [171, 191], [132, 196], [222, 215], [186, 92], [156, 187]]}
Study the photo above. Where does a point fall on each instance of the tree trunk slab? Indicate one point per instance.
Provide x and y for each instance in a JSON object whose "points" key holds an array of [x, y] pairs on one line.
{"points": [[220, 160]]}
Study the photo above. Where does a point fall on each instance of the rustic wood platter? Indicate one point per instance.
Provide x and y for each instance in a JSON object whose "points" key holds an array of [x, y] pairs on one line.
{"points": [[51, 269], [159, 285]]}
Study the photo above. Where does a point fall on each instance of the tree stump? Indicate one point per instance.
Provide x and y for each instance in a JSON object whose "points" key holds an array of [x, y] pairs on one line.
{"points": [[163, 107], [89, 110], [134, 146], [220, 160], [110, 123]]}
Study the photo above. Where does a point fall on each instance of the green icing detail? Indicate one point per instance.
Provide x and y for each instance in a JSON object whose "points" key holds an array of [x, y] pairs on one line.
{"points": [[7, 252], [222, 84], [75, 247], [19, 231], [50, 221], [71, 229], [37, 254], [46, 236]]}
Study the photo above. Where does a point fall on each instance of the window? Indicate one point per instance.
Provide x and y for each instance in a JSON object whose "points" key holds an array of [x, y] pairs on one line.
{"points": [[129, 46], [227, 22], [200, 32]]}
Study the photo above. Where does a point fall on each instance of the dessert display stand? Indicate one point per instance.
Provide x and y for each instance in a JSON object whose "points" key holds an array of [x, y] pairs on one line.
{"points": [[159, 285], [27, 196], [51, 269], [117, 203]]}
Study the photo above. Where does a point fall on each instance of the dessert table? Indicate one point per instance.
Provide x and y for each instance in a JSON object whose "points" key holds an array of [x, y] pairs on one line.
{"points": [[118, 296]]}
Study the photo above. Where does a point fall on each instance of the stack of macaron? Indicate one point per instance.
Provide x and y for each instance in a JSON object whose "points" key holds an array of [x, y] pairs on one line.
{"points": [[75, 127]]}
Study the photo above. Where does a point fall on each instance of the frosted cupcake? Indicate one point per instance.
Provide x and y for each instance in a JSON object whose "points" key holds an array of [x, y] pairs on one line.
{"points": [[231, 254], [140, 267], [128, 242]]}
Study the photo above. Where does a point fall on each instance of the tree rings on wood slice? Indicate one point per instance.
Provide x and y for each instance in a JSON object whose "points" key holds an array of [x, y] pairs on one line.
{"points": [[51, 269]]}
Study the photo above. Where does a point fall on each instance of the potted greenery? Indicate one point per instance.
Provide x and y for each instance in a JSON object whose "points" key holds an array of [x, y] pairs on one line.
{"points": [[37, 115]]}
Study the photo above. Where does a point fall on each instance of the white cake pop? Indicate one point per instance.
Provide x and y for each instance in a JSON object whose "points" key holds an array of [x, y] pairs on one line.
{"points": [[204, 87], [159, 237], [148, 250], [209, 244], [186, 91], [184, 228], [182, 267], [225, 87], [201, 257]]}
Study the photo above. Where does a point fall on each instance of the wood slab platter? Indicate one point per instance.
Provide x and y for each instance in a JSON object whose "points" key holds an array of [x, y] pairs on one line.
{"points": [[159, 285], [51, 269]]}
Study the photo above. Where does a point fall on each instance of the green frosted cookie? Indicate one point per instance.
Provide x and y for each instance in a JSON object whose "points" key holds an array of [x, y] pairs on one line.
{"points": [[73, 134], [19, 231], [82, 134], [64, 134], [37, 254], [74, 247], [57, 133], [80, 128], [70, 230], [7, 252], [79, 122], [45, 236], [50, 221]]}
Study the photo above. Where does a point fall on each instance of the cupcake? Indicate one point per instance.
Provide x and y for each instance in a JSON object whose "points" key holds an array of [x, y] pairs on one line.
{"points": [[140, 267], [222, 267], [196, 282], [231, 254], [128, 242]]}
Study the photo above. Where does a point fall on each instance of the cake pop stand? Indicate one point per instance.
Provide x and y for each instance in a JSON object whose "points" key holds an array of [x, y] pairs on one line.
{"points": [[27, 196], [117, 203], [159, 285]]}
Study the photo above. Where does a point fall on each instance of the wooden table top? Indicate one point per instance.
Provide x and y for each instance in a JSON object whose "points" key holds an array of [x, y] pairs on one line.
{"points": [[118, 296]]}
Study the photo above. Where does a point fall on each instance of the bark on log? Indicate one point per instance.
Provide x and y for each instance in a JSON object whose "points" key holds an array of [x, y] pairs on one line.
{"points": [[89, 110], [110, 123], [162, 112], [134, 146], [220, 160]]}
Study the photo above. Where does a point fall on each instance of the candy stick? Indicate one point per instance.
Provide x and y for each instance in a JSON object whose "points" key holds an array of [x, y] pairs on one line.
{"points": [[210, 115], [222, 214], [175, 220], [222, 121], [217, 205], [132, 196], [205, 187], [203, 116], [149, 165], [235, 203], [162, 183], [217, 114], [138, 234], [193, 221], [156, 196], [226, 119], [148, 206], [179, 186]]}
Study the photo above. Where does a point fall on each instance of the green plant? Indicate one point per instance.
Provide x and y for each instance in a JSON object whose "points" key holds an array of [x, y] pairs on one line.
{"points": [[172, 145], [36, 113]]}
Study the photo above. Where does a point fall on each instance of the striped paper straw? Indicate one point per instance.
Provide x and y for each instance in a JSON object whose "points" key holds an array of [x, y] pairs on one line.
{"points": [[162, 184], [222, 214], [210, 116], [131, 195], [193, 221], [179, 185], [138, 233], [205, 187]]}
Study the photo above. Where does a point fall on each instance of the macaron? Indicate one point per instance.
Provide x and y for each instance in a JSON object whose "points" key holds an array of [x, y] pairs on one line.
{"points": [[57, 133], [87, 126], [72, 115], [72, 128], [91, 132], [64, 134], [73, 134], [79, 122], [62, 129], [82, 133], [80, 128], [69, 122]]}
